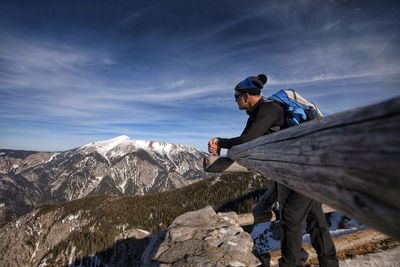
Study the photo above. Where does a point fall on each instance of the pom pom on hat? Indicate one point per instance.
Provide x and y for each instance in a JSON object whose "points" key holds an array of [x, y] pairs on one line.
{"points": [[252, 85], [263, 78]]}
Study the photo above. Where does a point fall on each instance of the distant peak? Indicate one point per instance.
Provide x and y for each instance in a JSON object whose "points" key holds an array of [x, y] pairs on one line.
{"points": [[114, 140], [121, 137], [106, 145], [123, 144]]}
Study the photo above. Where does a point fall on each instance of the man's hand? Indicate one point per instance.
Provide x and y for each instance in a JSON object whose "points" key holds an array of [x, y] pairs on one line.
{"points": [[213, 148]]}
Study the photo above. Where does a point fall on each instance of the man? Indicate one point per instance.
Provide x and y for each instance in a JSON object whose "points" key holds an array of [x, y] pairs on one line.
{"points": [[295, 209]]}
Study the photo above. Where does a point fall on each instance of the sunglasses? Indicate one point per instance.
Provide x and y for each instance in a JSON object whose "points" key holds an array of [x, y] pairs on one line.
{"points": [[237, 96]]}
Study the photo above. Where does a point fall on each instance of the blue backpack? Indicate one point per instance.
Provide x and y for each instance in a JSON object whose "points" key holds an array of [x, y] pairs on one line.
{"points": [[297, 109]]}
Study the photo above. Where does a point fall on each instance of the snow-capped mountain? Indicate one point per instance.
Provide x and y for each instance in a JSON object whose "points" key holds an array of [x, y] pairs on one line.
{"points": [[122, 145], [117, 166]]}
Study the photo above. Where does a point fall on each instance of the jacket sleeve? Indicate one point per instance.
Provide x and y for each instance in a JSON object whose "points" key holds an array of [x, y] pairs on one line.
{"points": [[266, 118]]}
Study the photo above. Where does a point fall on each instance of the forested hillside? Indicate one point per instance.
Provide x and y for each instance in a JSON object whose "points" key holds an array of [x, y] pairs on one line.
{"points": [[230, 192], [94, 223]]}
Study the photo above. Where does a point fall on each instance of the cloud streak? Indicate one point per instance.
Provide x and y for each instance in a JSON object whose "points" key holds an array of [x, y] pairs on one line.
{"points": [[166, 71]]}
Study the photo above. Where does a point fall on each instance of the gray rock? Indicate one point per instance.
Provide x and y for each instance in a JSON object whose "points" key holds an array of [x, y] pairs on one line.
{"points": [[204, 238]]}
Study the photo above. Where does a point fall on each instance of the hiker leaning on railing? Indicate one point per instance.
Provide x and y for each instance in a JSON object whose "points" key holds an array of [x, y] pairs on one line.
{"points": [[267, 116]]}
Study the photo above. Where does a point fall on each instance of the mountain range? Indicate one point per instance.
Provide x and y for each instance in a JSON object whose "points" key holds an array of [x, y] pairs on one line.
{"points": [[102, 230], [119, 166]]}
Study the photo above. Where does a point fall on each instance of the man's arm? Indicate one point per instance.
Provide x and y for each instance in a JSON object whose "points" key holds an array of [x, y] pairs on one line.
{"points": [[266, 118]]}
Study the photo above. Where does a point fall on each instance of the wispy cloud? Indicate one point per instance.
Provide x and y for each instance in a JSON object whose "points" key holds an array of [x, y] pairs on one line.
{"points": [[373, 74], [132, 17], [167, 70], [46, 82]]}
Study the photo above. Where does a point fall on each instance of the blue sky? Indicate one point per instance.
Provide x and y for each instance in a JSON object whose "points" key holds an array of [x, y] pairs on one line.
{"points": [[73, 72]]}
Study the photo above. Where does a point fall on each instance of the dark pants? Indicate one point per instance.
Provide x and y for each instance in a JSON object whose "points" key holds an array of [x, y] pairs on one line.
{"points": [[295, 212]]}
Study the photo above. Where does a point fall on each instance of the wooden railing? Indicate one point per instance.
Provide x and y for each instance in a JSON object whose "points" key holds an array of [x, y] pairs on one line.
{"points": [[247, 219], [349, 161]]}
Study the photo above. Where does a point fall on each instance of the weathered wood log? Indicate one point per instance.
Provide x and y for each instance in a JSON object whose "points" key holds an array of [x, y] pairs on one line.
{"points": [[350, 161], [248, 219], [216, 164], [352, 241]]}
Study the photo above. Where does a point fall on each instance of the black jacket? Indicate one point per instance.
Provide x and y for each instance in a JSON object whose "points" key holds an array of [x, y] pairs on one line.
{"points": [[264, 117]]}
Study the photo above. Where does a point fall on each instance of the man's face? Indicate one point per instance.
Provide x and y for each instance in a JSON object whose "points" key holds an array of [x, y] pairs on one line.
{"points": [[241, 99]]}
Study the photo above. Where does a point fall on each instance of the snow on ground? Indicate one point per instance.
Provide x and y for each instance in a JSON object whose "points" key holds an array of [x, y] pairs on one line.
{"points": [[72, 217], [52, 157], [144, 231], [386, 258], [263, 237], [266, 235], [71, 256]]}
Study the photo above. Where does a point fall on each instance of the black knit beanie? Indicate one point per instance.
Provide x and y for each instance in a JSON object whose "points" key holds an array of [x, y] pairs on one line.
{"points": [[252, 85]]}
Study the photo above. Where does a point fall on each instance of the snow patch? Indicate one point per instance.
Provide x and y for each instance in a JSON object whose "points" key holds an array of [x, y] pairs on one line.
{"points": [[35, 251], [143, 231], [339, 221], [52, 157], [44, 263], [72, 217], [71, 256], [122, 185], [263, 238], [265, 235]]}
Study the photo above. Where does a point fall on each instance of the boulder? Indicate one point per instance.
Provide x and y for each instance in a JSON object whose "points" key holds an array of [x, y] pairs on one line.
{"points": [[205, 238]]}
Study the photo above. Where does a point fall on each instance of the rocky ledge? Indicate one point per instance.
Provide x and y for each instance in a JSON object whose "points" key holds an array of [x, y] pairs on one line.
{"points": [[202, 238]]}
